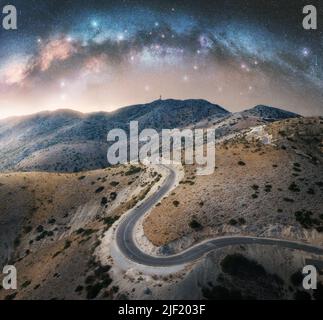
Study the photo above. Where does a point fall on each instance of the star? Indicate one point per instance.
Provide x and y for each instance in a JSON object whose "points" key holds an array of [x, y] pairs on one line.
{"points": [[305, 52], [120, 37], [94, 24]]}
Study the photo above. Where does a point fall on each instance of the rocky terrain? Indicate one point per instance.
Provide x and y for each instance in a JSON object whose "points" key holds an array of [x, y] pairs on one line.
{"points": [[59, 201], [267, 182], [69, 141], [51, 224]]}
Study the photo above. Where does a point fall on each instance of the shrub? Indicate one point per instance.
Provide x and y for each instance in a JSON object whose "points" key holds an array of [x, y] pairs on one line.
{"points": [[100, 189], [133, 170], [110, 220], [241, 163], [268, 187], [296, 278], [241, 221], [79, 288], [194, 224], [40, 229], [304, 217], [233, 222], [67, 244], [27, 229], [176, 203], [239, 266], [104, 201], [294, 188], [51, 221]]}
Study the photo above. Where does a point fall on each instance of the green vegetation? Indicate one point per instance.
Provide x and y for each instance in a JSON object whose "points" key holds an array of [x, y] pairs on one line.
{"points": [[97, 281], [268, 187], [194, 224], [104, 201], [100, 189], [132, 170], [67, 244], [305, 218], [110, 220], [176, 203], [26, 284], [294, 187], [233, 222]]}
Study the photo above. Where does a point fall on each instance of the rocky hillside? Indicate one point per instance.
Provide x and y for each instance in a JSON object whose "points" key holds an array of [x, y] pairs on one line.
{"points": [[51, 223], [269, 113], [68, 141], [268, 182]]}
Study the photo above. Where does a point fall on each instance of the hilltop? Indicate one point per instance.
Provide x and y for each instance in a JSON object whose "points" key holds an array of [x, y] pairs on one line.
{"points": [[70, 141]]}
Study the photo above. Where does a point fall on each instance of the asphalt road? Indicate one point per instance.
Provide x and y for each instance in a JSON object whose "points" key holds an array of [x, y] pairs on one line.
{"points": [[127, 245]]}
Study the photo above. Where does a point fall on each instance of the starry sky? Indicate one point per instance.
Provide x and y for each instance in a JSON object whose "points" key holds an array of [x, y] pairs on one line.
{"points": [[102, 55]]}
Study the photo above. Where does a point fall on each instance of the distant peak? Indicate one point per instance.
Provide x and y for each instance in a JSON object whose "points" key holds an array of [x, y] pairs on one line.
{"points": [[268, 112]]}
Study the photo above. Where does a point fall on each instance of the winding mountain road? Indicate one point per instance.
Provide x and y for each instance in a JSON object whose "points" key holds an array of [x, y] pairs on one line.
{"points": [[128, 246]]}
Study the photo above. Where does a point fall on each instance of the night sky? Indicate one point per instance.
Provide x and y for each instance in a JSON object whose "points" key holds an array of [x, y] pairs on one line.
{"points": [[102, 55]]}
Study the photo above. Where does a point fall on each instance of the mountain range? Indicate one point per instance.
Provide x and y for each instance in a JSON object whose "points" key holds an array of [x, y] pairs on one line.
{"points": [[70, 141]]}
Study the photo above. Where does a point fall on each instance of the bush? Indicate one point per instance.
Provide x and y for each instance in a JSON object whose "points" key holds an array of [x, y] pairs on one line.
{"points": [[176, 203], [268, 187], [100, 189], [195, 225], [296, 278], [294, 188], [233, 222], [113, 195], [241, 163], [239, 266], [133, 170], [67, 244], [104, 201], [304, 217], [241, 221], [110, 220]]}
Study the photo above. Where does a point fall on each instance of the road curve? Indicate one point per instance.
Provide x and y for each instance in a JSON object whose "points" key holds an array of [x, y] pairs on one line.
{"points": [[127, 245]]}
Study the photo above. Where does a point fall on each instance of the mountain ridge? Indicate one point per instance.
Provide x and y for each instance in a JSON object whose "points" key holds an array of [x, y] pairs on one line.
{"points": [[65, 140]]}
